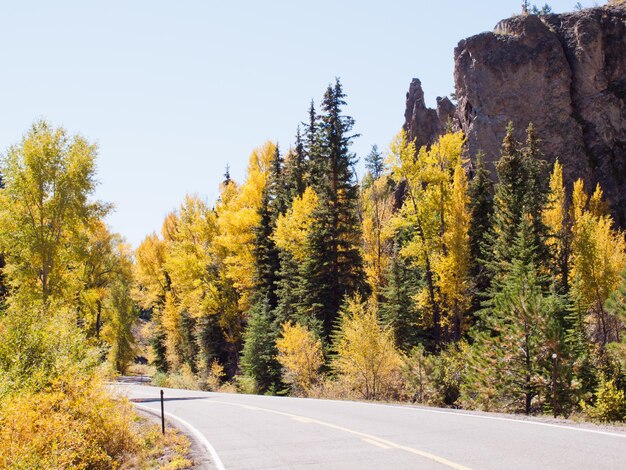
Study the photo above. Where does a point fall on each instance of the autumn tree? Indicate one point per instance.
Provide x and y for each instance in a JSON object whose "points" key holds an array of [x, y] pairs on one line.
{"points": [[377, 208], [301, 357], [558, 224], [437, 242], [597, 259], [48, 179], [366, 358]]}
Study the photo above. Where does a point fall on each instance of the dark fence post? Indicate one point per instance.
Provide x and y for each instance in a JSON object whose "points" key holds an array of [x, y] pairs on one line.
{"points": [[162, 415]]}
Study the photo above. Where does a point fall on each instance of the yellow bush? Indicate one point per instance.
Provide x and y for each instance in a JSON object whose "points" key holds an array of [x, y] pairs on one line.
{"points": [[73, 423], [300, 355]]}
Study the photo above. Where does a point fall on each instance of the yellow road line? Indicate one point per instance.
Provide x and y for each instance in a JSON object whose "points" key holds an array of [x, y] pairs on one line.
{"points": [[370, 438]]}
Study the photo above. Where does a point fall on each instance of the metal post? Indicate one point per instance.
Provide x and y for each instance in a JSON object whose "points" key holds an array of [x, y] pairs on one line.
{"points": [[162, 415], [554, 375]]}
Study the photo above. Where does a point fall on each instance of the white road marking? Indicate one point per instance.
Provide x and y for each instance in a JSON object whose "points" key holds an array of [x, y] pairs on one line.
{"points": [[362, 435], [499, 418], [197, 434]]}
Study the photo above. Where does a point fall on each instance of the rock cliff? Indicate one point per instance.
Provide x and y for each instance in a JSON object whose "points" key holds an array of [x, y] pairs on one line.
{"points": [[566, 73]]}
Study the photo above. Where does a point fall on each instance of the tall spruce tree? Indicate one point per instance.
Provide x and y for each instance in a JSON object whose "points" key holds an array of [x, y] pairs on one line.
{"points": [[510, 365], [259, 350], [521, 192], [397, 308], [335, 268], [481, 205]]}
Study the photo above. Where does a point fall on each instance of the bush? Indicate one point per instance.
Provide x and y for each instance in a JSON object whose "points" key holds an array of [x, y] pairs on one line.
{"points": [[610, 402], [73, 423]]}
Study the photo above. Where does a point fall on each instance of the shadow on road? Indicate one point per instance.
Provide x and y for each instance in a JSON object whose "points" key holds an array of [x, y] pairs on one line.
{"points": [[134, 379], [149, 400]]}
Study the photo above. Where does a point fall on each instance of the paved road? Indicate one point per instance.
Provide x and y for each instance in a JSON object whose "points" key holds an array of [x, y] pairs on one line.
{"points": [[257, 432]]}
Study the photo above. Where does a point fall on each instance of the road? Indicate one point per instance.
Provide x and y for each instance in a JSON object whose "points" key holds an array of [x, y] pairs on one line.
{"points": [[258, 432]]}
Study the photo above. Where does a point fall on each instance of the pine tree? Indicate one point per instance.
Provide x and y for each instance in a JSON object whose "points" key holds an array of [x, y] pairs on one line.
{"points": [[510, 368], [397, 308], [266, 256], [295, 170], [521, 192], [259, 353], [481, 206], [334, 269]]}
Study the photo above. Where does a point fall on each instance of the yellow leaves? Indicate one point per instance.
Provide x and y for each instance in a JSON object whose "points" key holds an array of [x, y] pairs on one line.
{"points": [[436, 212], [366, 355], [190, 253], [149, 273], [377, 204], [44, 204], [74, 424], [598, 252], [555, 213], [238, 215], [293, 228], [452, 268], [300, 355]]}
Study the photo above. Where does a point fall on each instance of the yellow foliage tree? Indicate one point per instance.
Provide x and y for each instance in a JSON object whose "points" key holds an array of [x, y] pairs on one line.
{"points": [[598, 257], [367, 359], [556, 219], [293, 227], [433, 207], [377, 207], [300, 355], [44, 204], [452, 268], [238, 215], [189, 260]]}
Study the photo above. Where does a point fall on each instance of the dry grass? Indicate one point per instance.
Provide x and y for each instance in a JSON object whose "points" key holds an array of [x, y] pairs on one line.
{"points": [[158, 451]]}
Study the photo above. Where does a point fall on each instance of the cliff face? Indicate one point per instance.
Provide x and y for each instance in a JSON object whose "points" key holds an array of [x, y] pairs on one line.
{"points": [[565, 73]]}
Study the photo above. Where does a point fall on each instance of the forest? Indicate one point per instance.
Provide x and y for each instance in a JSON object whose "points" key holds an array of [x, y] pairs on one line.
{"points": [[433, 278], [424, 281]]}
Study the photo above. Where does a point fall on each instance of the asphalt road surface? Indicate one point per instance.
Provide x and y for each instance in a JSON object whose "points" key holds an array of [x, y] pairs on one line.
{"points": [[258, 432]]}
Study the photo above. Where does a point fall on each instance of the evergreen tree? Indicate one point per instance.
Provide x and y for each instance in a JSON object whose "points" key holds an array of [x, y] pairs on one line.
{"points": [[521, 192], [295, 171], [398, 307], [259, 350], [510, 365], [266, 256], [375, 163], [481, 206], [334, 268]]}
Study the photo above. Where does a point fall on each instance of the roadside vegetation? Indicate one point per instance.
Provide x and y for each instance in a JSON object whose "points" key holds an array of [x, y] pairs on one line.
{"points": [[66, 314]]}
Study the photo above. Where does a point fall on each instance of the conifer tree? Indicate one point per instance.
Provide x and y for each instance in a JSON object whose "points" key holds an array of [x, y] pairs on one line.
{"points": [[509, 368], [481, 206], [295, 169], [259, 352], [397, 308], [334, 268], [519, 193]]}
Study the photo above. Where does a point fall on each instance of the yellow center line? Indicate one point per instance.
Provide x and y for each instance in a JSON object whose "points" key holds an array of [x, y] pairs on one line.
{"points": [[380, 442]]}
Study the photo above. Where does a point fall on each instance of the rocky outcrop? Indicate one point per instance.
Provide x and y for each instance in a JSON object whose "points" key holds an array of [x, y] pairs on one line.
{"points": [[422, 124], [564, 73]]}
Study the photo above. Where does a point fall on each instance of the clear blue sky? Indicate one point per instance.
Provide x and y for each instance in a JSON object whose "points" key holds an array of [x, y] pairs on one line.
{"points": [[172, 91]]}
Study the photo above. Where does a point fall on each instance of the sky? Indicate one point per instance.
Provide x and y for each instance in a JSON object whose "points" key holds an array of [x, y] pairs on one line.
{"points": [[173, 91]]}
